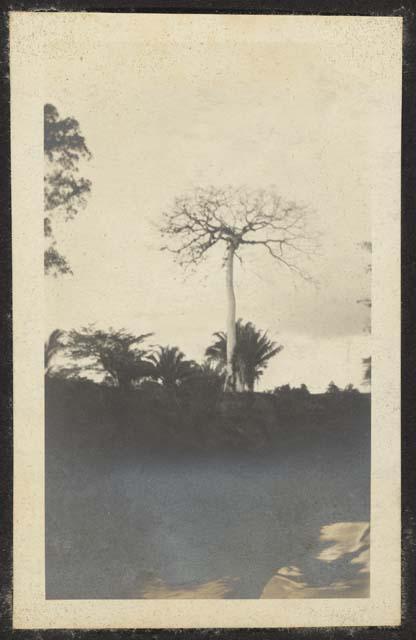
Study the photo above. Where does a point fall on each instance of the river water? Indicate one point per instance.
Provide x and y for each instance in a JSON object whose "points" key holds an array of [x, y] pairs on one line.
{"points": [[289, 526]]}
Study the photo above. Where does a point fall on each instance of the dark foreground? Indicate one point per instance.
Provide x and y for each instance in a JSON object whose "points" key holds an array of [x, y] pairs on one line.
{"points": [[150, 495]]}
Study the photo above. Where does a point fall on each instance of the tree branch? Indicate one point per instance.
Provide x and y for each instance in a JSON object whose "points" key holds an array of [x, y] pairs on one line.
{"points": [[202, 218]]}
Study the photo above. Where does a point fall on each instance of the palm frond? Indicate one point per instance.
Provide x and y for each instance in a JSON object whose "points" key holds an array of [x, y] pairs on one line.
{"points": [[253, 351], [171, 366]]}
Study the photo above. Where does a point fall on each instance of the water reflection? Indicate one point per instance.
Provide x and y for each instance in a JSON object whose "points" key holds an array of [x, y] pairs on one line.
{"points": [[351, 545], [349, 537], [286, 528], [208, 590]]}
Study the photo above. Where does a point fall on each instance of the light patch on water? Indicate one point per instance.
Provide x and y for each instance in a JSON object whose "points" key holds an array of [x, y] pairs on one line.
{"points": [[363, 559], [349, 538], [282, 587], [290, 571], [212, 589], [290, 581]]}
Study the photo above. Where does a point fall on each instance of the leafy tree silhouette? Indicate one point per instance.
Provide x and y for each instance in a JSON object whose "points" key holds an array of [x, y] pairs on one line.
{"points": [[332, 388], [65, 192], [112, 353]]}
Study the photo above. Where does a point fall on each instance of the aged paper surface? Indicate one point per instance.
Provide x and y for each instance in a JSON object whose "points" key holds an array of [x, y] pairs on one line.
{"points": [[369, 49]]}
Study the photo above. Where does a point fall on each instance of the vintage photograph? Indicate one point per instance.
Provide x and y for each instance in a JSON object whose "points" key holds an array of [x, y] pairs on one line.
{"points": [[207, 329], [206, 320]]}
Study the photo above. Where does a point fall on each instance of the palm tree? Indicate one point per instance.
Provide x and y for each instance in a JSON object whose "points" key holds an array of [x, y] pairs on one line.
{"points": [[210, 374], [210, 369], [171, 367], [253, 351], [53, 345]]}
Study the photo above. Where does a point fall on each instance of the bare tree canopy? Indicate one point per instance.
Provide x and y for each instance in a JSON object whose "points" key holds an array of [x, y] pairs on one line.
{"points": [[239, 217]]}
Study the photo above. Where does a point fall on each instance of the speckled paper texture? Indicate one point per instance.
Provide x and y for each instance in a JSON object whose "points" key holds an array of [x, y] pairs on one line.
{"points": [[366, 49]]}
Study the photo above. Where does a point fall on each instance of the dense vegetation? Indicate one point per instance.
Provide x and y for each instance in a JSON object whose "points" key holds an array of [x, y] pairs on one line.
{"points": [[121, 359], [114, 386], [117, 393], [83, 417]]}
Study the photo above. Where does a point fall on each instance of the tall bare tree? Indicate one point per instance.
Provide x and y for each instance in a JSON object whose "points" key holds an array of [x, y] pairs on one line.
{"points": [[238, 218]]}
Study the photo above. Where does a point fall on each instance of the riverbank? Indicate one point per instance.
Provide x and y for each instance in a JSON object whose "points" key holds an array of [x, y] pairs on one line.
{"points": [[83, 418]]}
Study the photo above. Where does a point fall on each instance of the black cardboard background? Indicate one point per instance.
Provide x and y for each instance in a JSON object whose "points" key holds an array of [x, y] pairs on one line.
{"points": [[407, 9]]}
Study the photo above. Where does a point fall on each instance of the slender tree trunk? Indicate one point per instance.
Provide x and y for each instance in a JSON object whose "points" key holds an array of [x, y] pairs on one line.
{"points": [[231, 326], [239, 382]]}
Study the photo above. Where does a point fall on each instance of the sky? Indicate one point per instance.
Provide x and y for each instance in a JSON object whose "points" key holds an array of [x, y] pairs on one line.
{"points": [[168, 106]]}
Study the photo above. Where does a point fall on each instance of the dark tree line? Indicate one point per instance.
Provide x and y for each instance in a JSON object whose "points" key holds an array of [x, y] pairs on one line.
{"points": [[123, 360]]}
